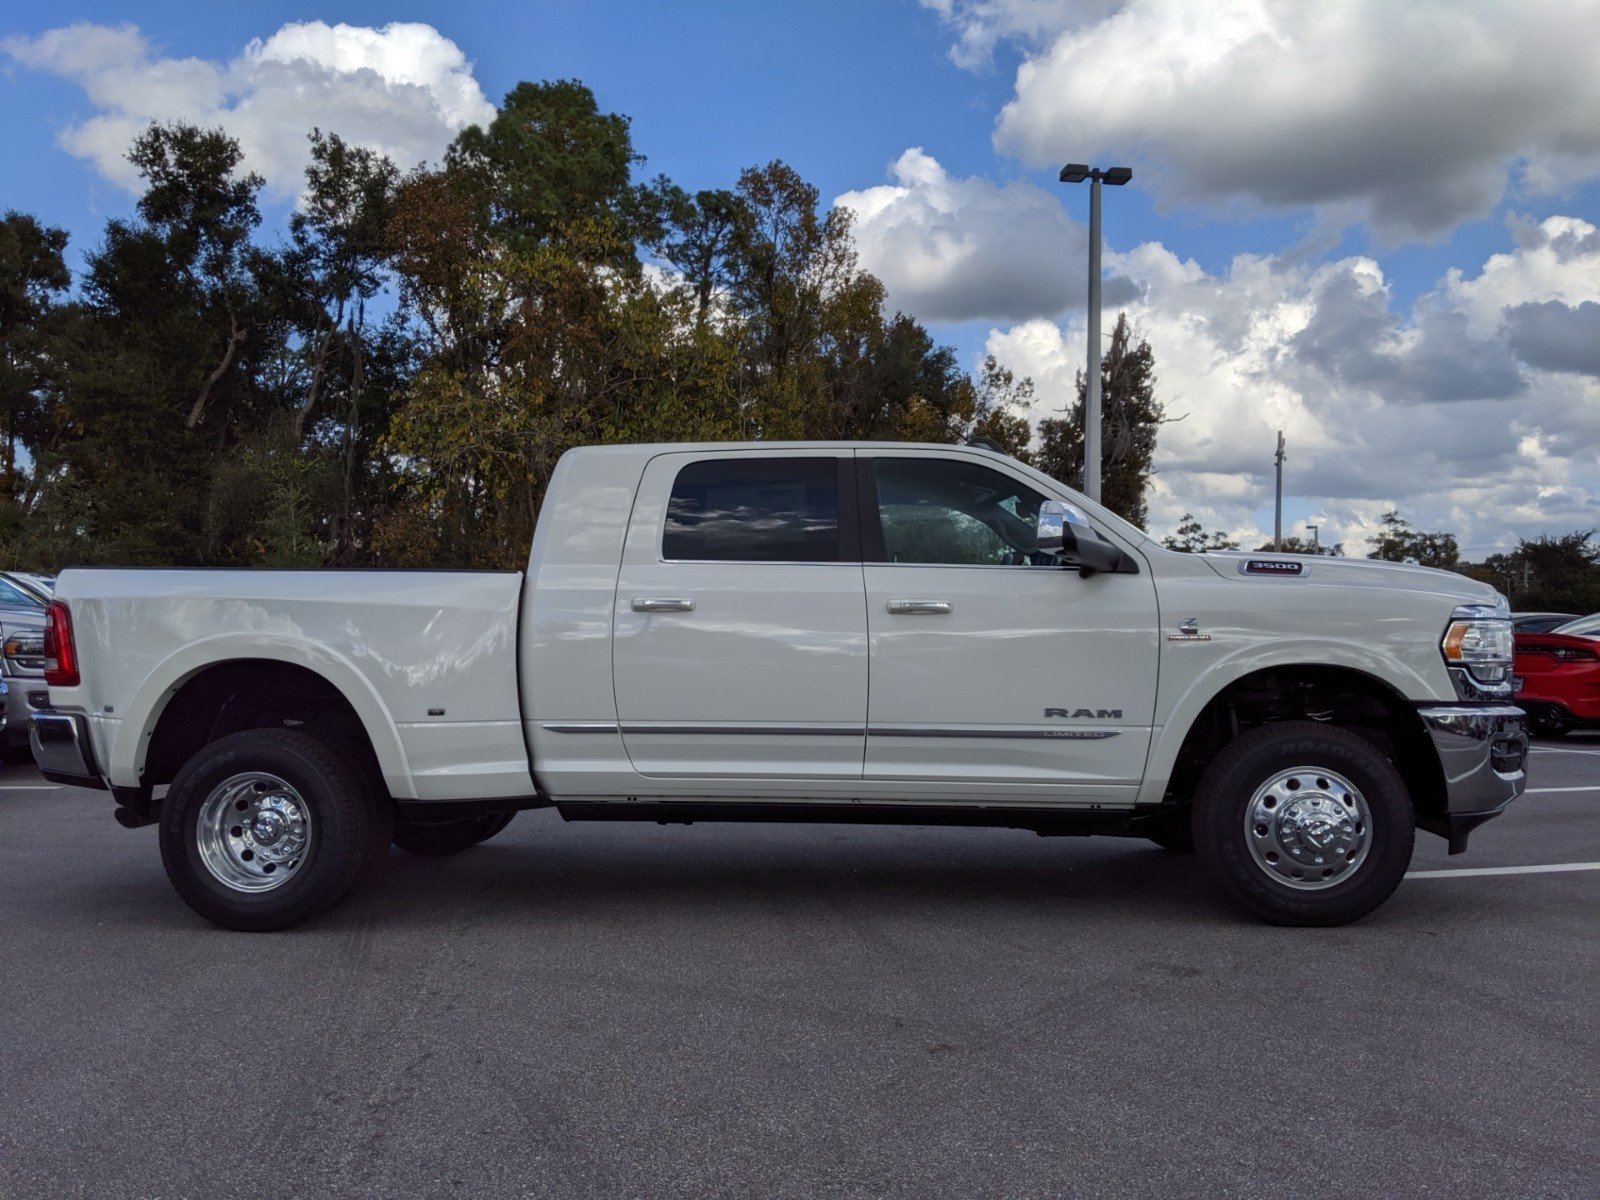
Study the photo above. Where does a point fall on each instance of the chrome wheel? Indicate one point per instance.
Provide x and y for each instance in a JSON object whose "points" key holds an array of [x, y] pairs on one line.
{"points": [[253, 832], [1308, 828]]}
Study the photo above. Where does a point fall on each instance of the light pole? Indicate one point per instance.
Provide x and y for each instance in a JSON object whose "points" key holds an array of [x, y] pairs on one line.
{"points": [[1116, 176], [1277, 508]]}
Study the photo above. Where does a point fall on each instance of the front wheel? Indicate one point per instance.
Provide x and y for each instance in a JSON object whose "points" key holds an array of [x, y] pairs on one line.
{"points": [[265, 828], [1548, 721], [1304, 824]]}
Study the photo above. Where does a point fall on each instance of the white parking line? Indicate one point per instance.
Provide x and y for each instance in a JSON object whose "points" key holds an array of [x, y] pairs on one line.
{"points": [[1564, 750], [1533, 791], [30, 787], [1594, 866]]}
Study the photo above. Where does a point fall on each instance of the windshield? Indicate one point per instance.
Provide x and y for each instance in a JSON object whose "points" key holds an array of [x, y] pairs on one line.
{"points": [[1583, 627]]}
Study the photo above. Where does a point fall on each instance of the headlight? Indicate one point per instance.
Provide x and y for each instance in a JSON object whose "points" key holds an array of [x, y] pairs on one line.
{"points": [[1479, 641]]}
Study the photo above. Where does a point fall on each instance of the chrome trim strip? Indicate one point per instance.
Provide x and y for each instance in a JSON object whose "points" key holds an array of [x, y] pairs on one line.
{"points": [[935, 731], [754, 730], [851, 731]]}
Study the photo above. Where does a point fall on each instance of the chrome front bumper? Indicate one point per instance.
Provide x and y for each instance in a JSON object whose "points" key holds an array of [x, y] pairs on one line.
{"points": [[1483, 752], [62, 750]]}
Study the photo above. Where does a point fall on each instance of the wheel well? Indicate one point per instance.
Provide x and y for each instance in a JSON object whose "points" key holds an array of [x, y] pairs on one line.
{"points": [[1333, 695], [254, 694]]}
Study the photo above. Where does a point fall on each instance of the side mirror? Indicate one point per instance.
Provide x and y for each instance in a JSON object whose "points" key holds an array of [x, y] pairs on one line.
{"points": [[1052, 527], [1094, 555], [1059, 534]]}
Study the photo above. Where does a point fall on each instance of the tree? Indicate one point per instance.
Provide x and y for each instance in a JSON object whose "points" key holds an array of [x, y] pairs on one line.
{"points": [[33, 272], [1553, 572], [1130, 417], [549, 164], [1299, 545], [1191, 538], [1396, 541], [203, 212], [165, 361], [697, 235]]}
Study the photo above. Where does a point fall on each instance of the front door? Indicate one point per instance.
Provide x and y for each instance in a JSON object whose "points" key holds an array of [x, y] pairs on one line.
{"points": [[992, 666], [740, 627]]}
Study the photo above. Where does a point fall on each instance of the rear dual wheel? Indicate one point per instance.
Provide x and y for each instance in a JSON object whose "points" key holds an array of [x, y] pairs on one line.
{"points": [[1304, 824], [265, 828], [435, 839]]}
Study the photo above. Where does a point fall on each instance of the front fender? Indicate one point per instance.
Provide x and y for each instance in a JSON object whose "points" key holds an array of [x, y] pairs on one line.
{"points": [[1199, 688]]}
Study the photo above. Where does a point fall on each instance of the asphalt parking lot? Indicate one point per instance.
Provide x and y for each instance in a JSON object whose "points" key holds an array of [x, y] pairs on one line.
{"points": [[610, 1010]]}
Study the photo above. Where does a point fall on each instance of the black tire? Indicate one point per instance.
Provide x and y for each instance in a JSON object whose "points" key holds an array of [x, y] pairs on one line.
{"points": [[435, 839], [350, 827], [1548, 722], [1222, 840]]}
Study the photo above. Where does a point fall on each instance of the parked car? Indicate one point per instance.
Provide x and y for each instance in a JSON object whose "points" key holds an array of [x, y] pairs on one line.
{"points": [[22, 613], [42, 585], [692, 641], [1557, 677], [1539, 622]]}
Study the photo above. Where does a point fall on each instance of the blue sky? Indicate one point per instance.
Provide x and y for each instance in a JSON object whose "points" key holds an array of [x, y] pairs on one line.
{"points": [[1372, 225]]}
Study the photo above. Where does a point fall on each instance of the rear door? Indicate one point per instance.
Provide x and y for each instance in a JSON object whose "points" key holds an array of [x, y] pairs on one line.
{"points": [[740, 628], [992, 664]]}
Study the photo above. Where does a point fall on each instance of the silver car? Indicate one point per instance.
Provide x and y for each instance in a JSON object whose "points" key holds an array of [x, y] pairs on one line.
{"points": [[21, 663]]}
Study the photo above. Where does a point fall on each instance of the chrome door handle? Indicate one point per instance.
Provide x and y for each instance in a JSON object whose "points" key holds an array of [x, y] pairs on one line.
{"points": [[919, 607], [663, 604]]}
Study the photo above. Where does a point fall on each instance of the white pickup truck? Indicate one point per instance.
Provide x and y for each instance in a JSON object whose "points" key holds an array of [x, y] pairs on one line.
{"points": [[840, 632]]}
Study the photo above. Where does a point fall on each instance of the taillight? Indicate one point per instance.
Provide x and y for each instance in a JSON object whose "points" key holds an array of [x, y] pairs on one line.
{"points": [[60, 653], [1573, 654]]}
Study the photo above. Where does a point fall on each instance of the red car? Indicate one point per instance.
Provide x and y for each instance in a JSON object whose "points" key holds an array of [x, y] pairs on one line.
{"points": [[1557, 677]]}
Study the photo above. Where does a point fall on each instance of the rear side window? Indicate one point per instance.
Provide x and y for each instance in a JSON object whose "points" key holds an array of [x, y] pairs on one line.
{"points": [[754, 510]]}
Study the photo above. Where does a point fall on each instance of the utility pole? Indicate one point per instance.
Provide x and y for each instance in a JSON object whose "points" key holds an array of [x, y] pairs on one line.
{"points": [[1091, 389], [1277, 519], [1116, 176]]}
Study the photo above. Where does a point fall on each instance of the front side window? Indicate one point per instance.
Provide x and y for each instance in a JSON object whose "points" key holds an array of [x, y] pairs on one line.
{"points": [[945, 511], [754, 510]]}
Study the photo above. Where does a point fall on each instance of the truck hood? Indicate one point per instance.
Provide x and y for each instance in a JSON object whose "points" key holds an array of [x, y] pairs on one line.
{"points": [[1359, 572]]}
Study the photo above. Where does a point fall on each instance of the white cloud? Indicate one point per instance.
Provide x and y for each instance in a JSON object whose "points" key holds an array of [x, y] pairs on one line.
{"points": [[404, 89], [980, 25], [1411, 116], [954, 249], [1431, 411]]}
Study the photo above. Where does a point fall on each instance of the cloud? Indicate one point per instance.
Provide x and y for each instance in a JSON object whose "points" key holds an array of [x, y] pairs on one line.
{"points": [[1556, 336], [1412, 117], [404, 89], [955, 249], [981, 25], [1485, 423]]}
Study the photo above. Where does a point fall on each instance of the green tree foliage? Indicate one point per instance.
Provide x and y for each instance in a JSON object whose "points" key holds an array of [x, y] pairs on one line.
{"points": [[1396, 541], [1294, 544], [1192, 538], [1551, 573], [1130, 416], [33, 274]]}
